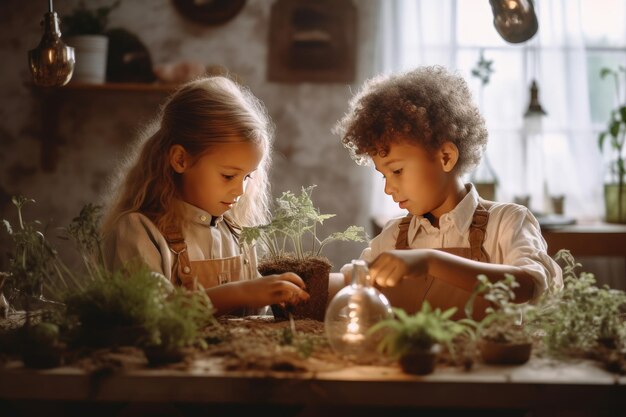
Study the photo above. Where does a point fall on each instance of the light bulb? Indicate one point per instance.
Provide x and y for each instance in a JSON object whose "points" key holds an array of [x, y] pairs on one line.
{"points": [[352, 312], [51, 62]]}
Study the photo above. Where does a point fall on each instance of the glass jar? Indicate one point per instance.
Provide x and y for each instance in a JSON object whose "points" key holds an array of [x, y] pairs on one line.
{"points": [[352, 312]]}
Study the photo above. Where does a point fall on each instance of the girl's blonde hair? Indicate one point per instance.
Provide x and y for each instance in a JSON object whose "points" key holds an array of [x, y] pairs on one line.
{"points": [[200, 114]]}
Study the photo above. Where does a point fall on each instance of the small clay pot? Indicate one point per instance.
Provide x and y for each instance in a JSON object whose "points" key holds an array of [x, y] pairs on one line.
{"points": [[498, 353], [420, 362]]}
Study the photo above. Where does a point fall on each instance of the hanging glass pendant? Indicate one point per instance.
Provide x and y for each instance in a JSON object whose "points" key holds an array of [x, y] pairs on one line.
{"points": [[515, 20], [352, 312], [51, 62]]}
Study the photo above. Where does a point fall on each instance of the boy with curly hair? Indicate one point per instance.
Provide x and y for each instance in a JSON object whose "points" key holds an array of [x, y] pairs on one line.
{"points": [[423, 132]]}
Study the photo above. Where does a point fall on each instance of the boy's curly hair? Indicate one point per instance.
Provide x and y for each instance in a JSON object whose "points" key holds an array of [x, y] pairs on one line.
{"points": [[426, 106]]}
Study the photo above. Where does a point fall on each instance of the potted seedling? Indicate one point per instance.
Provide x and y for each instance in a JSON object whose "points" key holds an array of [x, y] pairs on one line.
{"points": [[502, 336], [416, 340], [85, 30], [291, 244], [615, 188]]}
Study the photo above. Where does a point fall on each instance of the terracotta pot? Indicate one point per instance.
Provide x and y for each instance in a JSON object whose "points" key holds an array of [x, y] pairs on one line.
{"points": [[420, 362], [315, 274], [497, 353]]}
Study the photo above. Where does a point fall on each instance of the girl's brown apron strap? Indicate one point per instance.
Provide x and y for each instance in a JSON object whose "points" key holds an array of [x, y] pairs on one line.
{"points": [[181, 269]]}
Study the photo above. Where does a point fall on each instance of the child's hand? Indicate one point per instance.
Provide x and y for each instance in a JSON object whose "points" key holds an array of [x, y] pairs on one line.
{"points": [[392, 266], [285, 288]]}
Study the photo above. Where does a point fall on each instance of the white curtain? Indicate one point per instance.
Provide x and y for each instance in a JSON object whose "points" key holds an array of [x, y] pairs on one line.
{"points": [[565, 158]]}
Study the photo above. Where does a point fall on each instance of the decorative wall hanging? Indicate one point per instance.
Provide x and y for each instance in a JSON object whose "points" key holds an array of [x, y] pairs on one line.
{"points": [[312, 40], [209, 12]]}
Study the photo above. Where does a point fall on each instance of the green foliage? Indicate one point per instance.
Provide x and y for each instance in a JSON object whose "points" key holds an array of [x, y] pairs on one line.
{"points": [[84, 21], [179, 322], [122, 298], [33, 261], [503, 320], [406, 333], [575, 320], [84, 231], [294, 219], [616, 132], [483, 69]]}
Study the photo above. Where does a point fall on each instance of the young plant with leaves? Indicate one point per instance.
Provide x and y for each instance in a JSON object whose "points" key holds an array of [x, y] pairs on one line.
{"points": [[503, 322], [34, 265], [616, 133], [415, 339], [85, 21], [291, 244], [294, 219], [421, 331], [582, 317]]}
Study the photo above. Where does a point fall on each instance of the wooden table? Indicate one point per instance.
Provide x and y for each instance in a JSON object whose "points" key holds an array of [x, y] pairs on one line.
{"points": [[542, 386]]}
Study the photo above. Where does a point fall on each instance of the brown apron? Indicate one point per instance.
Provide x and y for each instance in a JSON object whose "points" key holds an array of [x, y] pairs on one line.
{"points": [[412, 291], [206, 273]]}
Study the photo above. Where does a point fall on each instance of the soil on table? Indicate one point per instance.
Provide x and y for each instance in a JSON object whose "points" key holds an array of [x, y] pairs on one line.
{"points": [[251, 344]]}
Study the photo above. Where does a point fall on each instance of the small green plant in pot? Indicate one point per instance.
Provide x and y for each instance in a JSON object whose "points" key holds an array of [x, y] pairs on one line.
{"points": [[502, 336], [85, 30], [291, 244], [416, 340], [615, 134]]}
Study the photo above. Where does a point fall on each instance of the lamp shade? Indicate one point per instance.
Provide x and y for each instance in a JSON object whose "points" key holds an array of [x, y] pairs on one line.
{"points": [[534, 107]]}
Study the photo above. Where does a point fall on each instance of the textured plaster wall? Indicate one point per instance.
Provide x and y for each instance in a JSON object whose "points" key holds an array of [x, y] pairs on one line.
{"points": [[96, 128]]}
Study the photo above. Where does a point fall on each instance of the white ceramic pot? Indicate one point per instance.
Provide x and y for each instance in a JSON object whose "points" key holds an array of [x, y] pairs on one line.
{"points": [[91, 58]]}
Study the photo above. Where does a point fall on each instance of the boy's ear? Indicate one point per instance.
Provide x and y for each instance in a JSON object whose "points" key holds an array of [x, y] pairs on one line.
{"points": [[179, 158], [448, 156]]}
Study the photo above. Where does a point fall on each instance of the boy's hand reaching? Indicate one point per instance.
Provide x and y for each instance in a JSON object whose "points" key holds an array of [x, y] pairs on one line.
{"points": [[392, 266]]}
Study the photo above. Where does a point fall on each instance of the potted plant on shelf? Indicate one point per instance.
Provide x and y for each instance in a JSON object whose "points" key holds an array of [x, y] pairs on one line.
{"points": [[85, 30], [501, 335], [287, 249], [615, 188], [416, 340]]}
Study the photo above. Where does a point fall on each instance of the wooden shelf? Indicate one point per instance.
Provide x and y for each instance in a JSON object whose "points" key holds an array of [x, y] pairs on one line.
{"points": [[124, 87]]}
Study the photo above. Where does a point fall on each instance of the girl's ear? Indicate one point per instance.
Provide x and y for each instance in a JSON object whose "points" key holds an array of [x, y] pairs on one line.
{"points": [[179, 158], [448, 156]]}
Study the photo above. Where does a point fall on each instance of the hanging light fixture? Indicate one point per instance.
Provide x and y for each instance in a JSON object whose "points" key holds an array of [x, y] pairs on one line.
{"points": [[515, 20], [51, 62], [534, 107]]}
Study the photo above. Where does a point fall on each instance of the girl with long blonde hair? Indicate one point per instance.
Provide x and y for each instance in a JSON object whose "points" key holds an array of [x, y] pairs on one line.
{"points": [[196, 177]]}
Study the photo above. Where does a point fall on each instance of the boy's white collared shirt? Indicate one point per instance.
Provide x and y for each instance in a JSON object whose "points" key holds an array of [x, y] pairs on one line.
{"points": [[513, 237]]}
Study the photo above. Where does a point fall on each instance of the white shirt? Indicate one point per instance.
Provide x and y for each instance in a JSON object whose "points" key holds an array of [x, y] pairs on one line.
{"points": [[135, 237], [513, 237]]}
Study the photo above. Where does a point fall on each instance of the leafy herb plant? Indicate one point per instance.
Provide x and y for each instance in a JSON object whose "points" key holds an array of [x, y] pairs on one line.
{"points": [[295, 219]]}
